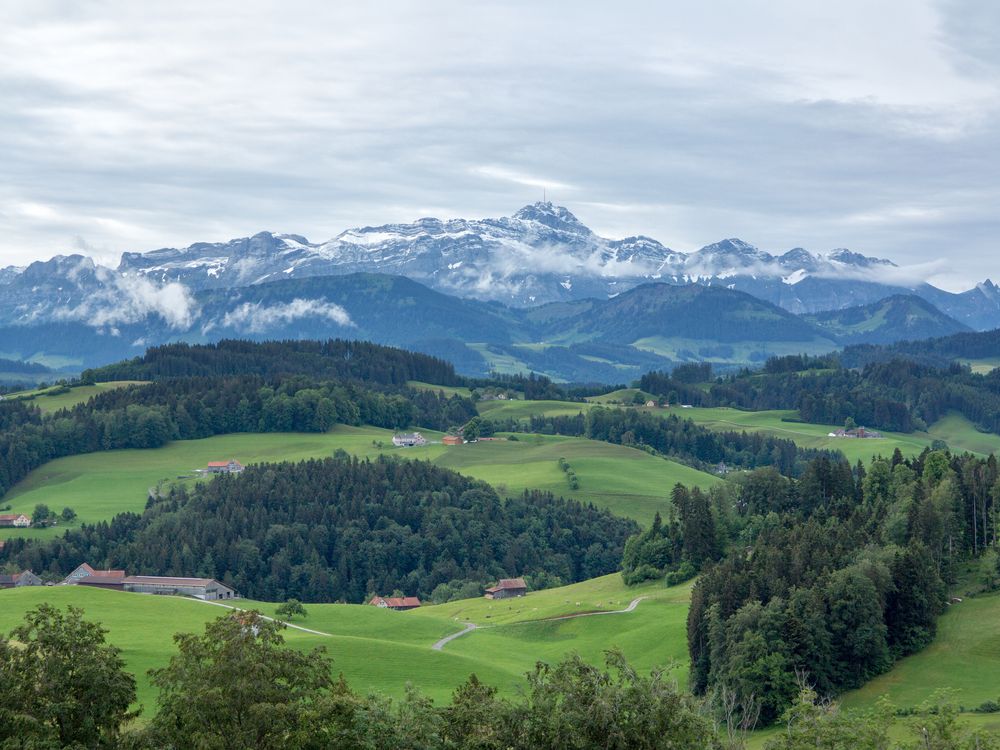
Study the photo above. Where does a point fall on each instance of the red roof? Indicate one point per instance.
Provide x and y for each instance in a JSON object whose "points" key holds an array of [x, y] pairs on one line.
{"points": [[11, 516], [99, 579], [223, 463], [508, 583], [169, 581]]}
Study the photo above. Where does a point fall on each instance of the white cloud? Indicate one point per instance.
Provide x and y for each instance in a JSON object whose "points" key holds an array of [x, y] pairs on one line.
{"points": [[257, 317], [131, 300]]}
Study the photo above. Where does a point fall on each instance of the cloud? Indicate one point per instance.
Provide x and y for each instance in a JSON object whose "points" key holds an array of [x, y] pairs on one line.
{"points": [[130, 300], [257, 317]]}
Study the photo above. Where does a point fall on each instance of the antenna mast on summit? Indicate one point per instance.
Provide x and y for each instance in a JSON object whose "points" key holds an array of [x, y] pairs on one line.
{"points": [[544, 199]]}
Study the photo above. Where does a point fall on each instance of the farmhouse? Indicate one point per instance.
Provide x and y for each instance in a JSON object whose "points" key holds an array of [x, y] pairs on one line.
{"points": [[17, 520], [507, 588], [398, 603], [452, 440], [224, 467], [16, 580], [207, 589], [408, 439], [86, 575]]}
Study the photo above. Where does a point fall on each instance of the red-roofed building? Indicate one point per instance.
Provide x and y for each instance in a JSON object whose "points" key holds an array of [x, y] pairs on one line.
{"points": [[398, 603], [224, 467], [17, 520], [507, 588], [84, 572]]}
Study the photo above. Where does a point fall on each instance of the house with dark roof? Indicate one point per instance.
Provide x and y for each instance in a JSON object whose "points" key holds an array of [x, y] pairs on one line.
{"points": [[200, 588], [507, 588], [398, 603], [17, 580]]}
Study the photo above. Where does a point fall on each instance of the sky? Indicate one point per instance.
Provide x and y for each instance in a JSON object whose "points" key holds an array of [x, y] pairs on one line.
{"points": [[874, 126]]}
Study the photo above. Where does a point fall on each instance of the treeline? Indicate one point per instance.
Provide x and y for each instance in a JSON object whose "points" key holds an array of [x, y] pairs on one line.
{"points": [[672, 436], [149, 415], [342, 529], [899, 395], [939, 352], [833, 576], [238, 687], [335, 359]]}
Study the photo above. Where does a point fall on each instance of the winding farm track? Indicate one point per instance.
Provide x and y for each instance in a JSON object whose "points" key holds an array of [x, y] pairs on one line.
{"points": [[469, 626]]}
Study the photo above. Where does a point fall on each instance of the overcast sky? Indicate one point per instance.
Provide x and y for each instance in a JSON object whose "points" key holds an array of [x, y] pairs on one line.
{"points": [[873, 126]]}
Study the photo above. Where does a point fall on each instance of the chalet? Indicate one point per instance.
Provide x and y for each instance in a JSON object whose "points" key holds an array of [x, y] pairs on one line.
{"points": [[17, 580], [398, 603], [507, 588], [650, 404], [408, 439], [452, 440], [224, 467], [88, 576], [17, 520], [207, 589]]}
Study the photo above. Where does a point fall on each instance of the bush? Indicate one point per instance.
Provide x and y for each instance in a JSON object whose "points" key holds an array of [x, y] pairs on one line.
{"points": [[640, 574], [987, 707], [685, 572]]}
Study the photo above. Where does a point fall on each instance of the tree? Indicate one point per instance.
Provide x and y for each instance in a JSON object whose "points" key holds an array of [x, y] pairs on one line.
{"points": [[473, 429], [41, 515], [68, 515], [290, 609], [237, 687], [60, 684]]}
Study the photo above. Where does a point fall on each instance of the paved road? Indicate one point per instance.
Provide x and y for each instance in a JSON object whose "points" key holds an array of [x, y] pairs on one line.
{"points": [[469, 626]]}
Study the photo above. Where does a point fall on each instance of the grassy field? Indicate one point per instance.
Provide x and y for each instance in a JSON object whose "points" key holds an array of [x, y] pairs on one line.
{"points": [[954, 429], [381, 650], [48, 400], [448, 390], [99, 485]]}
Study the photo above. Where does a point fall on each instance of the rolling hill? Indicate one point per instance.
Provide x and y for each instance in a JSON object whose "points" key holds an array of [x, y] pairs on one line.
{"points": [[895, 318]]}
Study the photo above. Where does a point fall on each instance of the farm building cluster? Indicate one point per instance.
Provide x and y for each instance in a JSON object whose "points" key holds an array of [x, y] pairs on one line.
{"points": [[859, 432], [207, 589]]}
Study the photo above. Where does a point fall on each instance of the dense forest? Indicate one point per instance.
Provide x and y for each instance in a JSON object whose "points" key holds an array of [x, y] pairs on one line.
{"points": [[341, 529], [336, 359], [830, 577], [671, 436], [898, 395]]}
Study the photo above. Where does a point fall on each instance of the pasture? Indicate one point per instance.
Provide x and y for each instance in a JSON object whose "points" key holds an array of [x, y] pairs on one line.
{"points": [[51, 399], [381, 650], [97, 486]]}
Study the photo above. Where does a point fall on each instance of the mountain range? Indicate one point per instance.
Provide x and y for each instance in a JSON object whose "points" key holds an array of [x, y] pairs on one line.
{"points": [[535, 290]]}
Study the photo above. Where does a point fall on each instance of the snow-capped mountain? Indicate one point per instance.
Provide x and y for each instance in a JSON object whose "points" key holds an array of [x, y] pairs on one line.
{"points": [[542, 253]]}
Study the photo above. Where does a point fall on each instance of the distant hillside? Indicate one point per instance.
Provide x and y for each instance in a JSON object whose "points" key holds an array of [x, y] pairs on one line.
{"points": [[939, 351], [896, 318]]}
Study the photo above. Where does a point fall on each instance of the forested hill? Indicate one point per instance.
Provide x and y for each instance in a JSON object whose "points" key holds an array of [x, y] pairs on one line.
{"points": [[335, 359], [940, 351], [899, 394], [342, 529]]}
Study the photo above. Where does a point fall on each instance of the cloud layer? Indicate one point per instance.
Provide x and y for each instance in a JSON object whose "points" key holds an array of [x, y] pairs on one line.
{"points": [[133, 126]]}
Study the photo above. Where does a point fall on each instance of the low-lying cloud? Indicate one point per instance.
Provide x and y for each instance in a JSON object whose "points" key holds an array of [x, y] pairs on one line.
{"points": [[126, 299], [257, 317]]}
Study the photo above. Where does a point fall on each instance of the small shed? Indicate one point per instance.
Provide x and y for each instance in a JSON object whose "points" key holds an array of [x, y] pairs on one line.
{"points": [[507, 588], [452, 440]]}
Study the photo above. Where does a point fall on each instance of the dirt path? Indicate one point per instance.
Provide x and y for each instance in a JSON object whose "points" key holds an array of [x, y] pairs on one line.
{"points": [[469, 626], [265, 617]]}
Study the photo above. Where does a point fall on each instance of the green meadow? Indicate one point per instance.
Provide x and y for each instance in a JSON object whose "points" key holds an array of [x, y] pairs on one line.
{"points": [[957, 431], [381, 650], [50, 399], [629, 482]]}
